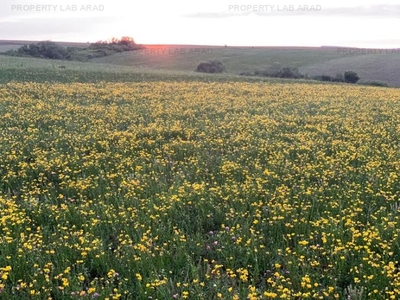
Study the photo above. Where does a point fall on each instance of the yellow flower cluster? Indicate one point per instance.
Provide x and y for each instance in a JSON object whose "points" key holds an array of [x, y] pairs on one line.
{"points": [[199, 190]]}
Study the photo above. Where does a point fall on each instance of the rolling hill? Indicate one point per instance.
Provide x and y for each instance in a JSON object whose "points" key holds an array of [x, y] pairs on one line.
{"points": [[383, 66]]}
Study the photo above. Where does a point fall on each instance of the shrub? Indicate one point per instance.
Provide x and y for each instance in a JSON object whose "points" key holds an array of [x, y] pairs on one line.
{"points": [[289, 73], [351, 77], [326, 78], [45, 49], [211, 66], [338, 78]]}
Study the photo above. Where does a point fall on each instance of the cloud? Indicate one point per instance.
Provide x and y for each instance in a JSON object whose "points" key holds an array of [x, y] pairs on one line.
{"points": [[214, 15], [378, 10], [37, 28]]}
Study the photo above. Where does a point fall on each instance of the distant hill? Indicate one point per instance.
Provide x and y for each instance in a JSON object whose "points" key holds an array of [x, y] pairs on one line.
{"points": [[369, 67], [6, 45], [20, 43], [71, 51], [325, 60], [236, 59]]}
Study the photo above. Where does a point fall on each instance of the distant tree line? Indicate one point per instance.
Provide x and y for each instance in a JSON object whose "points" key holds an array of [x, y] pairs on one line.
{"points": [[216, 66], [116, 45], [347, 77], [51, 50]]}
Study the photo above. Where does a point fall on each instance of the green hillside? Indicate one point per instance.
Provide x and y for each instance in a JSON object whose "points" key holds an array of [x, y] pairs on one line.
{"points": [[236, 59], [381, 66]]}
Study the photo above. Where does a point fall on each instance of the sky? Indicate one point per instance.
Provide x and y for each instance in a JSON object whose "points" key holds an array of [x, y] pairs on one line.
{"points": [[356, 23]]}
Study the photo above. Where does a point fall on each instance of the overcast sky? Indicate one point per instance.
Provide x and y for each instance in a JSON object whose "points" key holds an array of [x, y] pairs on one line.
{"points": [[356, 23]]}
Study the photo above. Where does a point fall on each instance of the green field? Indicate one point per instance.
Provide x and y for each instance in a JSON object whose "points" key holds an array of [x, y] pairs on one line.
{"points": [[121, 182], [42, 70]]}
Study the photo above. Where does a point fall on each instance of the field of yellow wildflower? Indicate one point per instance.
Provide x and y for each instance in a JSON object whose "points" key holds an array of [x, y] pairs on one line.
{"points": [[174, 190]]}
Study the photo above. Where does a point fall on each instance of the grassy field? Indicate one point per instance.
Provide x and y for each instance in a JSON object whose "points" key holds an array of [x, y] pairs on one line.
{"points": [[121, 183], [43, 70]]}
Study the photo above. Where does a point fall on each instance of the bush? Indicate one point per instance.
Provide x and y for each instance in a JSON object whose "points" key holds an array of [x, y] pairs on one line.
{"points": [[338, 78], [289, 73], [326, 78], [45, 49], [351, 77], [211, 66]]}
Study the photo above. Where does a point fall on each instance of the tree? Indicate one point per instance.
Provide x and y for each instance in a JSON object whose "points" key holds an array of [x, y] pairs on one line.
{"points": [[289, 73], [126, 43], [351, 77], [127, 40]]}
